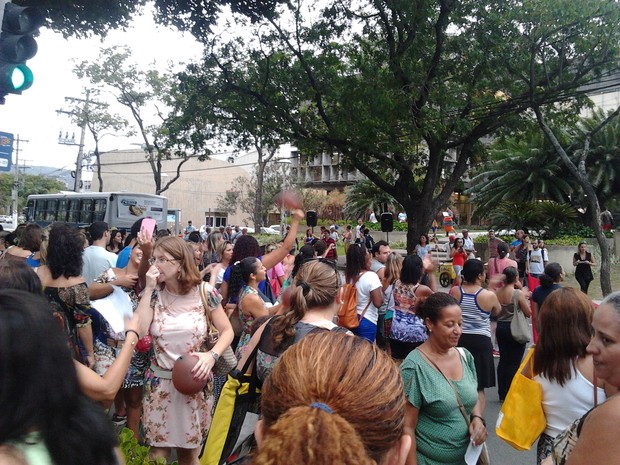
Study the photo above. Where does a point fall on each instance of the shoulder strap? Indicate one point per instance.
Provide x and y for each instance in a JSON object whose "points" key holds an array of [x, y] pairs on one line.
{"points": [[515, 300], [205, 303], [495, 264], [456, 394]]}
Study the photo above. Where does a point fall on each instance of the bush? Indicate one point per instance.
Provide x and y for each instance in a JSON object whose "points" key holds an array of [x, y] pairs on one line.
{"points": [[134, 453]]}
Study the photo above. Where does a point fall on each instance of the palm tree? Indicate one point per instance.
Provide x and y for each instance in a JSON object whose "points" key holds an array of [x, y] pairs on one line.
{"points": [[363, 196], [520, 170], [603, 162]]}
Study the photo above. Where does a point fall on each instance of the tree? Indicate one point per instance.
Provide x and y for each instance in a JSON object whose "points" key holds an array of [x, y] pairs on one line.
{"points": [[578, 170], [521, 168], [406, 91], [96, 117], [84, 18], [143, 91], [258, 196], [363, 196], [29, 184]]}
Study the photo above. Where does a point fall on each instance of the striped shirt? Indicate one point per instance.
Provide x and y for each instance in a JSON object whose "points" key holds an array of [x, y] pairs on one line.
{"points": [[475, 319]]}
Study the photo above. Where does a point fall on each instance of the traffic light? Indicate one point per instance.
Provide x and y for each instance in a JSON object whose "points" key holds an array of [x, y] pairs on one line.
{"points": [[17, 45]]}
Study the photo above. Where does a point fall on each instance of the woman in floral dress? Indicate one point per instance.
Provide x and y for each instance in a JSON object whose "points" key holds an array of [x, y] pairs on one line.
{"points": [[408, 330], [108, 343], [178, 325]]}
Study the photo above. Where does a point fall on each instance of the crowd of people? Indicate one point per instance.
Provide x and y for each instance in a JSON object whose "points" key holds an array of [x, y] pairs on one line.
{"points": [[92, 319]]}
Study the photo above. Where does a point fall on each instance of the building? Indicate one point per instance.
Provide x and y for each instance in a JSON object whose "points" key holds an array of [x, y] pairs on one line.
{"points": [[194, 194]]}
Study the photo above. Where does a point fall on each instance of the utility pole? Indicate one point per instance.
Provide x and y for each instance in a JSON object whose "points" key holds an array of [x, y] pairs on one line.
{"points": [[15, 190], [66, 141]]}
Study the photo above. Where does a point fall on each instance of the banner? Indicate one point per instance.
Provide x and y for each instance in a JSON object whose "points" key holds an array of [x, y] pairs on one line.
{"points": [[6, 151]]}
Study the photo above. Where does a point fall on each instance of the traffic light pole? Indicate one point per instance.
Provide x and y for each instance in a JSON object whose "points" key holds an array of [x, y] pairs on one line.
{"points": [[15, 189]]}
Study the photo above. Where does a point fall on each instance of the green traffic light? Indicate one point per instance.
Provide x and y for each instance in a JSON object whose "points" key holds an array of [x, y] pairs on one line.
{"points": [[15, 78], [21, 78]]}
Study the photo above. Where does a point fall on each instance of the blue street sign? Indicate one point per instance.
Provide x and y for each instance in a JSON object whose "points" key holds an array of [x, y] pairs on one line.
{"points": [[6, 151]]}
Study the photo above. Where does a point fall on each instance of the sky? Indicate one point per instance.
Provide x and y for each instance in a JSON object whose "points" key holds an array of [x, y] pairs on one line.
{"points": [[33, 116]]}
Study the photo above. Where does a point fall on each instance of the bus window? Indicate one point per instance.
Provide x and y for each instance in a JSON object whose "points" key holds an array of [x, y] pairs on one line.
{"points": [[29, 211], [51, 209], [73, 211], [99, 210], [86, 212], [62, 210], [39, 210]]}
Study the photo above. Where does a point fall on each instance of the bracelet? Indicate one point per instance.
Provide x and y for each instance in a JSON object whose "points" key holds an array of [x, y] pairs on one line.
{"points": [[132, 331], [471, 417]]}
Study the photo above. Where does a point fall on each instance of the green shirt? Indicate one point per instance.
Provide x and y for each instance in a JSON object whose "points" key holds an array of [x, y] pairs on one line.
{"points": [[442, 435], [34, 450]]}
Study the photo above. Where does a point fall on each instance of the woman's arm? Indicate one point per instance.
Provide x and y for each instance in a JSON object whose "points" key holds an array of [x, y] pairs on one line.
{"points": [[575, 259], [376, 297], [278, 255], [85, 333], [477, 429], [144, 309], [206, 360], [525, 308], [253, 305], [214, 272], [104, 388], [592, 262], [411, 422]]}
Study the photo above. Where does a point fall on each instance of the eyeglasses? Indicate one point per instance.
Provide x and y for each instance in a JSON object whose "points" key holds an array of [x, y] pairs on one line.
{"points": [[161, 260]]}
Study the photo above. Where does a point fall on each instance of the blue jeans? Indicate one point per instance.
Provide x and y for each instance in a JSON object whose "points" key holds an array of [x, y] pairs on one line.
{"points": [[367, 330]]}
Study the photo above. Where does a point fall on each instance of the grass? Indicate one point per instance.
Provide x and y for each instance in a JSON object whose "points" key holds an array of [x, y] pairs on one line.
{"points": [[594, 292]]}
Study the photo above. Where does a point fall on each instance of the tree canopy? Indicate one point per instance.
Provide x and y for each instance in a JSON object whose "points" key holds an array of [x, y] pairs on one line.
{"points": [[29, 184], [406, 91], [84, 18]]}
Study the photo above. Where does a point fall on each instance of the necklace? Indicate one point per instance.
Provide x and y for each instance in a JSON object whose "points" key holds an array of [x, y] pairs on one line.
{"points": [[166, 306]]}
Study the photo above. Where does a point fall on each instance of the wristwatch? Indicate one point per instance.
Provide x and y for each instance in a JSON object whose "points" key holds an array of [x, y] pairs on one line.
{"points": [[215, 355]]}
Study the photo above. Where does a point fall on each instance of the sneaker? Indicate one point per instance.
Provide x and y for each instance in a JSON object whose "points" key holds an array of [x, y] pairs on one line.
{"points": [[495, 353], [119, 419]]}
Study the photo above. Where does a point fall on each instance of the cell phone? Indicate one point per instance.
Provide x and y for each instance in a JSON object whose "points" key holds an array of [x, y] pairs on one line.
{"points": [[148, 226]]}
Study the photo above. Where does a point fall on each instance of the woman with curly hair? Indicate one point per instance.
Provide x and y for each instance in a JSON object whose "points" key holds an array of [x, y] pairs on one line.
{"points": [[66, 288], [312, 412], [177, 320], [313, 304]]}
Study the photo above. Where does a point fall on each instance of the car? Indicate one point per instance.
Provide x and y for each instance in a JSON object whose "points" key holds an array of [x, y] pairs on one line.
{"points": [[275, 226], [6, 219], [269, 230]]}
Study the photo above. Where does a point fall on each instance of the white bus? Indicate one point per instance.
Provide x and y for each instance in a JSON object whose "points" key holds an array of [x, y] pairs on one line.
{"points": [[118, 209]]}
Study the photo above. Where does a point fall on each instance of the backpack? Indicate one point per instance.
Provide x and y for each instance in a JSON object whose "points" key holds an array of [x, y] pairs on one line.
{"points": [[347, 313]]}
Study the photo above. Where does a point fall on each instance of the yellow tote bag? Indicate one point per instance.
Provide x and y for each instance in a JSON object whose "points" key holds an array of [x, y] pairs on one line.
{"points": [[522, 419]]}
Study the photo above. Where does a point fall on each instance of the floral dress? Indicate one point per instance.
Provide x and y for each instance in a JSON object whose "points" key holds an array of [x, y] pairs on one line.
{"points": [[246, 321], [169, 418], [71, 305], [406, 325], [103, 334]]}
